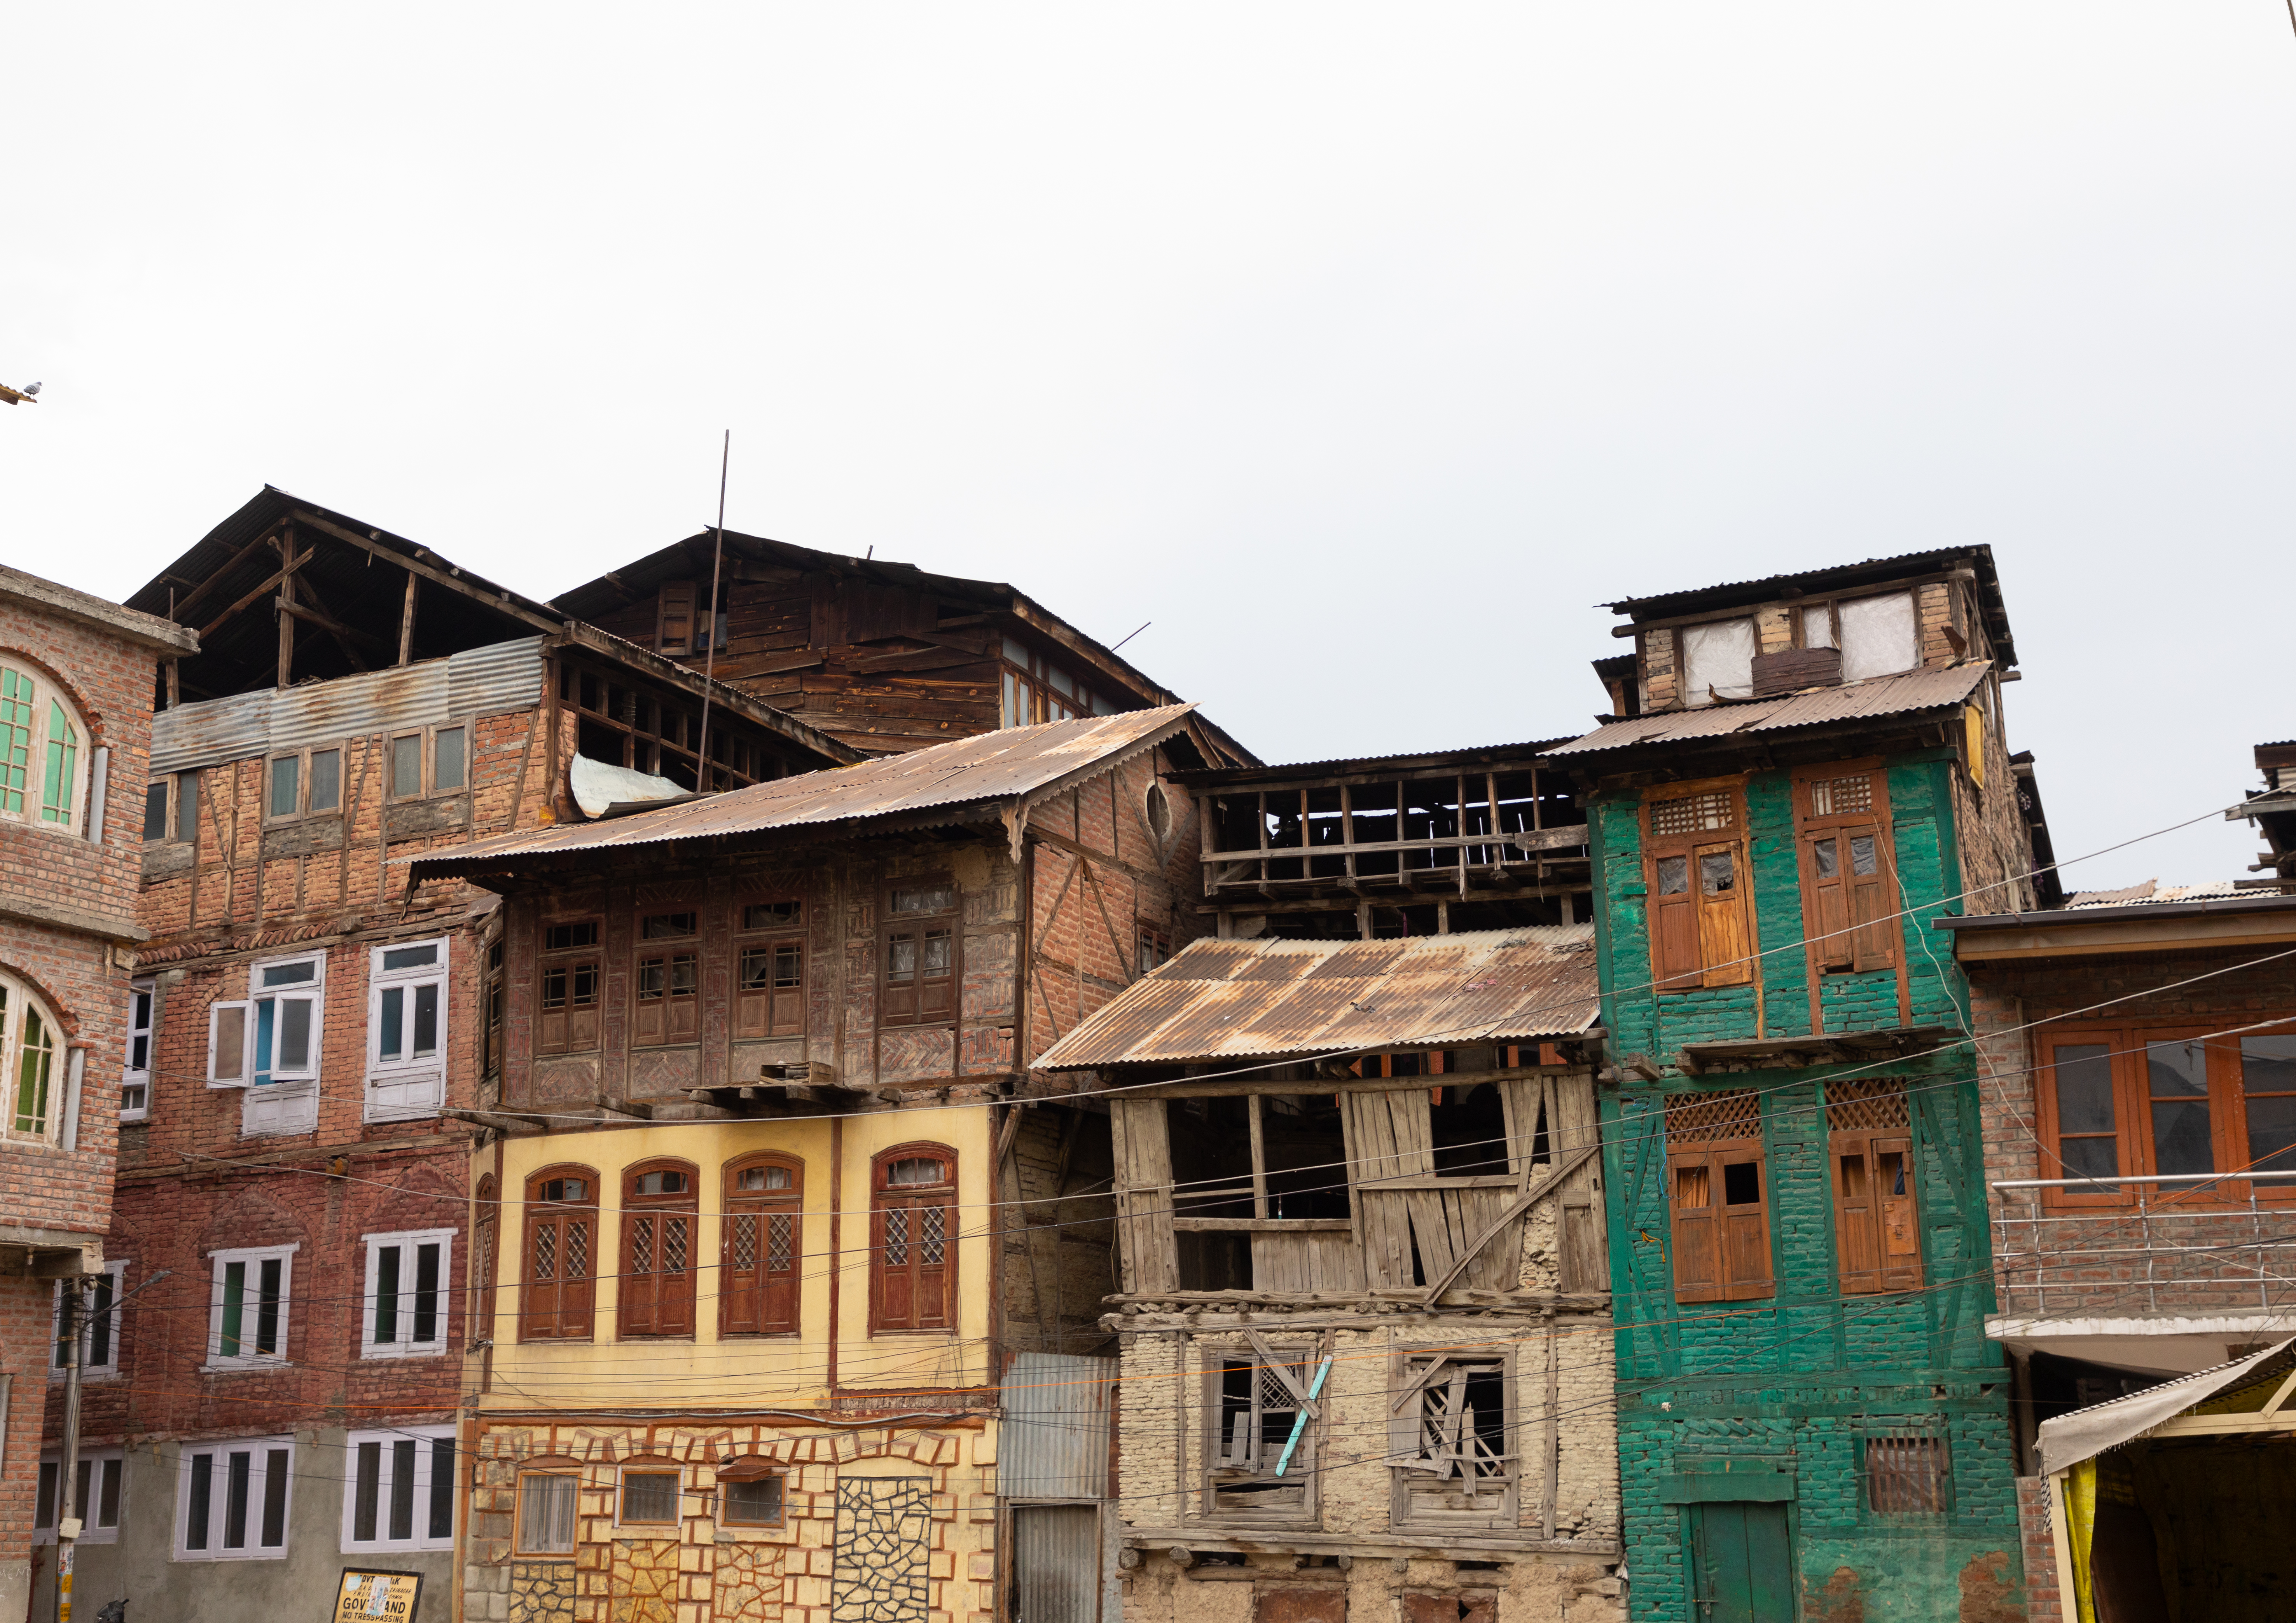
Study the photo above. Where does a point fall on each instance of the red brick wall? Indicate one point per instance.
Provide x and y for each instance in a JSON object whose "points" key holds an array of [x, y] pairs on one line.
{"points": [[110, 680], [2043, 1602]]}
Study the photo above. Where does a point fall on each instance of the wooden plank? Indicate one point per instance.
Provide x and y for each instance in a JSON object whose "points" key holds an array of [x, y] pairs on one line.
{"points": [[1373, 1085], [184, 605], [1513, 1209], [1529, 841], [270, 581], [450, 577]]}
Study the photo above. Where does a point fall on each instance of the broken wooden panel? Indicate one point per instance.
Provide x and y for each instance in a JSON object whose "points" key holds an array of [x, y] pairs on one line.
{"points": [[1453, 1443], [1143, 1196], [1264, 1411], [1326, 1261], [1299, 1603]]}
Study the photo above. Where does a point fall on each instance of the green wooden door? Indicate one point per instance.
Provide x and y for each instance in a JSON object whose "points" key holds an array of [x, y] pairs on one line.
{"points": [[1741, 1567]]}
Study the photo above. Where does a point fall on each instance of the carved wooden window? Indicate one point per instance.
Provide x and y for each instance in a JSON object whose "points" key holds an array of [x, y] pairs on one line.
{"points": [[913, 1236], [659, 1225], [1876, 1223], [920, 953], [769, 999], [1264, 1409], [557, 1266], [763, 1247], [1715, 1173], [1848, 882], [1694, 858], [567, 1010], [667, 991], [1450, 1447]]}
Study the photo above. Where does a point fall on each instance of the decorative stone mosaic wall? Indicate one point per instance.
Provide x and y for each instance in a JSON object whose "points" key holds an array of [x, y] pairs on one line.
{"points": [[885, 1524], [884, 1530]]}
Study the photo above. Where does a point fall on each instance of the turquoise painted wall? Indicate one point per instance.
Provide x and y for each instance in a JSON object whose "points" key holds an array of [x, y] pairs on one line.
{"points": [[1792, 1383]]}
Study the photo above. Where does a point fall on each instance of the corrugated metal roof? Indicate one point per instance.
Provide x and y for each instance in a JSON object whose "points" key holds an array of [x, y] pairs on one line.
{"points": [[1794, 577], [1878, 696], [2152, 892], [1231, 999], [496, 680], [964, 772], [1430, 763]]}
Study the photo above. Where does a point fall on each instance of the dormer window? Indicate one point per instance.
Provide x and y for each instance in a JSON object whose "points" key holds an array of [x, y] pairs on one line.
{"points": [[1878, 636], [1718, 661], [1787, 649]]}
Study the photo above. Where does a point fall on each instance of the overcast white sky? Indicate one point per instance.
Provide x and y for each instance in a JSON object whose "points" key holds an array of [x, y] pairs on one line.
{"points": [[1361, 348]]}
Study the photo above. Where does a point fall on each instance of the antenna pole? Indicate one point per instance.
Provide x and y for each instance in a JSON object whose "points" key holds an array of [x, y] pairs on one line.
{"points": [[709, 660]]}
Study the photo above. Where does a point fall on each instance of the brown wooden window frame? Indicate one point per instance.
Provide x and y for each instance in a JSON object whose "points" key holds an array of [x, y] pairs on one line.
{"points": [[899, 1251], [1429, 1443], [753, 1468], [1877, 1231], [561, 1468], [1849, 918], [1239, 1482], [494, 1001], [486, 1245], [1719, 950], [1905, 1473], [569, 962], [916, 928], [765, 951], [649, 1467], [572, 1314], [756, 1298], [672, 996], [1708, 1135], [2127, 1053], [660, 1235]]}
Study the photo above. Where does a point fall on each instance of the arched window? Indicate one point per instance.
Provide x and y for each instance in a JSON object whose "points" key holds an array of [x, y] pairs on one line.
{"points": [[31, 1066], [913, 1236], [479, 1324], [557, 1280], [43, 750], [657, 1223], [763, 1245]]}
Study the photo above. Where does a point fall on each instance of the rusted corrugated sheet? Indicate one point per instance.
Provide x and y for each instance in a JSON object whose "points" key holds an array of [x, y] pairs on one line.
{"points": [[489, 681], [496, 680], [963, 773], [1053, 1441], [1219, 999], [193, 736], [1878, 696]]}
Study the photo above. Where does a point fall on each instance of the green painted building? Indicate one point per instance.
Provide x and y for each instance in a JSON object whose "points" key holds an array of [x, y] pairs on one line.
{"points": [[1805, 770]]}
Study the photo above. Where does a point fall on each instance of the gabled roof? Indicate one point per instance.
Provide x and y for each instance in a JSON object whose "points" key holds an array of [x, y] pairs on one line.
{"points": [[1233, 999], [975, 779], [1872, 700]]}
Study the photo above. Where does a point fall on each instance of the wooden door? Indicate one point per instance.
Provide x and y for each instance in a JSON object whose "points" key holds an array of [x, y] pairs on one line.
{"points": [[1742, 1565]]}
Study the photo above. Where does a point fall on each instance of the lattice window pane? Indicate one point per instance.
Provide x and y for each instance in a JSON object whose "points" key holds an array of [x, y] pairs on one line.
{"points": [[673, 1245], [1829, 797], [1695, 814], [577, 1250], [781, 1243], [1866, 1107], [745, 1241], [546, 1253], [929, 1240], [1275, 1397], [897, 1239], [642, 1245], [1711, 1118]]}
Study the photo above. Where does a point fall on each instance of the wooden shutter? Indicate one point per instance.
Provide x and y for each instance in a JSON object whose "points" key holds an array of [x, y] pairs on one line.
{"points": [[1826, 918], [1674, 924], [559, 1276], [902, 951], [657, 1294], [676, 634], [1690, 1187], [1718, 876], [916, 1244], [761, 1252], [1877, 1233], [1745, 1249], [1856, 1227], [1866, 864]]}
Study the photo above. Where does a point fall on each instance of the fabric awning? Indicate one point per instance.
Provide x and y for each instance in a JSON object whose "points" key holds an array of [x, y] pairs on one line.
{"points": [[2085, 1433]]}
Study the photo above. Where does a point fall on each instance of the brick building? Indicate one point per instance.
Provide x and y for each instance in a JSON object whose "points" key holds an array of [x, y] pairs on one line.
{"points": [[1806, 769], [76, 677], [781, 1203], [2139, 1053]]}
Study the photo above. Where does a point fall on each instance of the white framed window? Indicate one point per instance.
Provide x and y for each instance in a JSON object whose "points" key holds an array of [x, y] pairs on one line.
{"points": [[407, 1030], [136, 1076], [232, 1499], [31, 1067], [400, 1491], [247, 1307], [405, 1310], [44, 753], [98, 1327], [268, 1043], [98, 1499]]}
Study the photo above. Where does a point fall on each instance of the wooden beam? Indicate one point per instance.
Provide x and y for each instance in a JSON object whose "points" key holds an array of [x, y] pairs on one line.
{"points": [[329, 623], [271, 581], [287, 627], [407, 618], [214, 576], [450, 577], [342, 633]]}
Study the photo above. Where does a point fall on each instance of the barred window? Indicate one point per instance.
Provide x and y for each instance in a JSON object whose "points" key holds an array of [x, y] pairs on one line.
{"points": [[1906, 1475]]}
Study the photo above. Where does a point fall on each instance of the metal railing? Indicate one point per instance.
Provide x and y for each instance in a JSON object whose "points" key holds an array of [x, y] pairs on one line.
{"points": [[2041, 1252]]}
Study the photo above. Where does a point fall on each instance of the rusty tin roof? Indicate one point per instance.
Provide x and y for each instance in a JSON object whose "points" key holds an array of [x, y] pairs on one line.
{"points": [[1231, 999], [1012, 763], [1867, 701]]}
